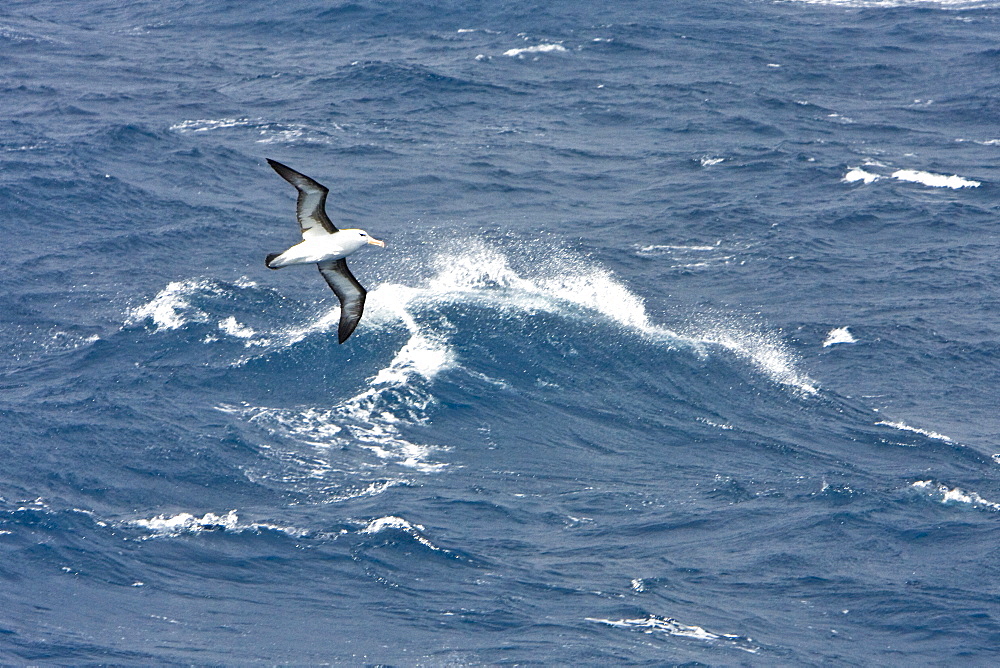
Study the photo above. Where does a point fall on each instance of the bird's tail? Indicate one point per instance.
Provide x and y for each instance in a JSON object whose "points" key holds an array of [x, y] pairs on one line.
{"points": [[270, 258]]}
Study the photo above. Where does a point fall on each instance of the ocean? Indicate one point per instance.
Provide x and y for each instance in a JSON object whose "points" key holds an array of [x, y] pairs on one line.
{"points": [[683, 349]]}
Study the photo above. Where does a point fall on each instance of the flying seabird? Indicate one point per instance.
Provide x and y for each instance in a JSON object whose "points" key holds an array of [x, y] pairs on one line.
{"points": [[325, 245]]}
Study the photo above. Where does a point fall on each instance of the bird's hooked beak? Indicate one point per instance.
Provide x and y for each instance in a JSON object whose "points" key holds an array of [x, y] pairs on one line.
{"points": [[376, 242]]}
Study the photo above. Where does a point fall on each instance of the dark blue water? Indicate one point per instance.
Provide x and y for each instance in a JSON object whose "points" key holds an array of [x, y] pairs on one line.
{"points": [[684, 347]]}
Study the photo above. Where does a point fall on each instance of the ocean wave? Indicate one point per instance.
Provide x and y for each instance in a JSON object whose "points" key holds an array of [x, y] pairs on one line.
{"points": [[839, 335], [394, 523], [370, 420], [162, 526], [671, 627], [538, 48], [982, 142], [934, 180], [369, 441], [171, 307], [930, 179], [856, 174], [397, 395], [555, 281], [902, 426], [946, 495], [561, 279], [688, 258]]}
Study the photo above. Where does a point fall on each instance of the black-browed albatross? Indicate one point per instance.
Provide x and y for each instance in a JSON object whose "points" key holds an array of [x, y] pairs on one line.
{"points": [[325, 245]]}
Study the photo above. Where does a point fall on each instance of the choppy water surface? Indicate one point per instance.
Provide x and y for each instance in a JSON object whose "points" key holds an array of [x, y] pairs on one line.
{"points": [[683, 348]]}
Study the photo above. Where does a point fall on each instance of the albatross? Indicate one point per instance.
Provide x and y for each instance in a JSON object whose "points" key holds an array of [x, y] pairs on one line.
{"points": [[326, 246]]}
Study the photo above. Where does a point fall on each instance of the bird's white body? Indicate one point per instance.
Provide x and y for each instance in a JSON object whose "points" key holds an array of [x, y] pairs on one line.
{"points": [[323, 247]]}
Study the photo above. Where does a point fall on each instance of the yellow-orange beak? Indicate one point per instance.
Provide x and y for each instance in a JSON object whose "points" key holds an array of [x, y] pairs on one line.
{"points": [[376, 242]]}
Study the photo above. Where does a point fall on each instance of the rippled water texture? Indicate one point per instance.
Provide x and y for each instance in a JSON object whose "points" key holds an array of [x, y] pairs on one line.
{"points": [[682, 349]]}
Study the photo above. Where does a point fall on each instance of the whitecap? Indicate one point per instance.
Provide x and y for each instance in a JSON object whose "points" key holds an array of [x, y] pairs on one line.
{"points": [[477, 272], [538, 48], [60, 341], [398, 523], [662, 249], [687, 257], [206, 124], [902, 426], [857, 174], [186, 523], [839, 335], [671, 627], [171, 307], [934, 180], [764, 349], [233, 328], [947, 494]]}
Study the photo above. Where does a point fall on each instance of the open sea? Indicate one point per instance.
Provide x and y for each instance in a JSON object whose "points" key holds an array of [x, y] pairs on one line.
{"points": [[684, 348]]}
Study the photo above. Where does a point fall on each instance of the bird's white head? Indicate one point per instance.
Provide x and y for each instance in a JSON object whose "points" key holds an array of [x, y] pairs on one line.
{"points": [[360, 237]]}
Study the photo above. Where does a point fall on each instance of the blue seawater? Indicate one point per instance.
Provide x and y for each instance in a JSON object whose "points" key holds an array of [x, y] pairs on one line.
{"points": [[684, 347]]}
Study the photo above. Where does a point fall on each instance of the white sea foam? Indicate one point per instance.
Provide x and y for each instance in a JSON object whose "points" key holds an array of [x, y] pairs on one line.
{"points": [[947, 494], [856, 174], [371, 489], [482, 273], [59, 340], [709, 160], [206, 124], [565, 280], [397, 394], [663, 249], [839, 335], [934, 180], [171, 307], [364, 421], [669, 626], [294, 133], [687, 258], [231, 327], [182, 523], [902, 426], [765, 350], [398, 523], [538, 48]]}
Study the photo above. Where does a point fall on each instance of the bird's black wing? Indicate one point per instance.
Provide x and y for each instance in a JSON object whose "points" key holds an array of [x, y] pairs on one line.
{"points": [[350, 293], [311, 206]]}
